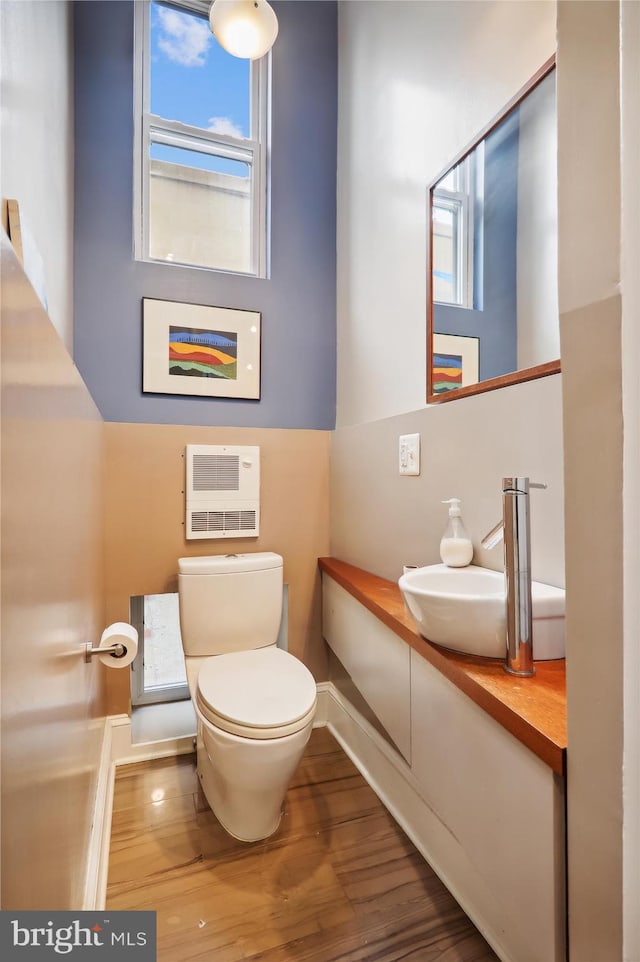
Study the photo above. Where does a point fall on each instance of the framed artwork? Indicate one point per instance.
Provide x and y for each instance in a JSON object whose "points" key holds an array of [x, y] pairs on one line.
{"points": [[194, 349], [455, 361]]}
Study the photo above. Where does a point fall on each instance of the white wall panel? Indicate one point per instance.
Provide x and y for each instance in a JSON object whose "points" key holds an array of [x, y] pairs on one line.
{"points": [[417, 81], [377, 660], [381, 520], [36, 132]]}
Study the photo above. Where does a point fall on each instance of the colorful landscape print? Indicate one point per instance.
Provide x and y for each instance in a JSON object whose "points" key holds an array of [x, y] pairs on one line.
{"points": [[197, 353], [447, 372]]}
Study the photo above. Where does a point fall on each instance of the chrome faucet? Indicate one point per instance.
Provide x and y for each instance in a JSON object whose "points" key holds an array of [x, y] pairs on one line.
{"points": [[515, 531]]}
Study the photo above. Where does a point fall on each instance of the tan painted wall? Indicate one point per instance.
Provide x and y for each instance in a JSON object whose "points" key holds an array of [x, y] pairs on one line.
{"points": [[51, 594], [591, 312], [145, 521], [593, 491]]}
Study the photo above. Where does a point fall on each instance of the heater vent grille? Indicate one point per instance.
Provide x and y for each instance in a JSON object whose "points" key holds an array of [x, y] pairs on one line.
{"points": [[219, 521], [222, 491], [216, 472]]}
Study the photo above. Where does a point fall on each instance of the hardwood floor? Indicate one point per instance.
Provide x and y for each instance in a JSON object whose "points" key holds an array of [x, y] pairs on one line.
{"points": [[338, 882]]}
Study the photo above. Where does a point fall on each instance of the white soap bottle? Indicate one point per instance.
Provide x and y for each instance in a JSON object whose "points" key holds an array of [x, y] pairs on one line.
{"points": [[456, 549]]}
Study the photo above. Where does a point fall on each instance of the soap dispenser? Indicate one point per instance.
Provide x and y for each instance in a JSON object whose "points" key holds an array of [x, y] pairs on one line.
{"points": [[456, 549]]}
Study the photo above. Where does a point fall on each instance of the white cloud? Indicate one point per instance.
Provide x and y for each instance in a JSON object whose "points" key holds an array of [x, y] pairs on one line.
{"points": [[184, 38], [224, 125]]}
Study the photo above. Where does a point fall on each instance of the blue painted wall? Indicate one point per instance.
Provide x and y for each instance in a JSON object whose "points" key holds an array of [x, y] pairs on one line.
{"points": [[298, 302], [494, 320]]}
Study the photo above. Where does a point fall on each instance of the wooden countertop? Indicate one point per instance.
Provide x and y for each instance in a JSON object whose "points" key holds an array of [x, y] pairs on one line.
{"points": [[532, 709]]}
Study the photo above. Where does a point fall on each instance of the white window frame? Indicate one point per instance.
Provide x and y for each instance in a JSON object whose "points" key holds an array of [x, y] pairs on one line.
{"points": [[459, 202], [149, 128]]}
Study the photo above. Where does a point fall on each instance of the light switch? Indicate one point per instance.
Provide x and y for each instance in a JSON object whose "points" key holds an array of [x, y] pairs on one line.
{"points": [[409, 454]]}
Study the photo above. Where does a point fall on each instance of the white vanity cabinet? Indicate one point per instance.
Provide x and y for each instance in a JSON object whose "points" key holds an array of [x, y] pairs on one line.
{"points": [[501, 851], [485, 811]]}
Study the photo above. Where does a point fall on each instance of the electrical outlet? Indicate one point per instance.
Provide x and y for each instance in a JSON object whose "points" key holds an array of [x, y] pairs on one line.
{"points": [[409, 454]]}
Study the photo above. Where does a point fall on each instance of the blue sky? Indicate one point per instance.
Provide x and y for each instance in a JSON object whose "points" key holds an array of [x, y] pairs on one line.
{"points": [[195, 81]]}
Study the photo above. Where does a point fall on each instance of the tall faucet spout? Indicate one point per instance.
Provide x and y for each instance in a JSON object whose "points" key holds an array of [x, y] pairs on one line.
{"points": [[515, 531]]}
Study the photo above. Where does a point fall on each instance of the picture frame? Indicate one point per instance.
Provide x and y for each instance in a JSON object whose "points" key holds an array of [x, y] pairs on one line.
{"points": [[456, 362], [195, 349], [24, 244]]}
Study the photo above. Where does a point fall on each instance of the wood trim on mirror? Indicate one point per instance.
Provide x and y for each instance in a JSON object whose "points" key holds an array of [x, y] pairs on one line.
{"points": [[515, 377]]}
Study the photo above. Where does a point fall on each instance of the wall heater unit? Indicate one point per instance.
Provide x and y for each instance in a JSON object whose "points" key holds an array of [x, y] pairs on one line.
{"points": [[222, 491]]}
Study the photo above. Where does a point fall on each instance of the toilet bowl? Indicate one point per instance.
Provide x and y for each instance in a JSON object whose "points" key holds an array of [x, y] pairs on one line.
{"points": [[255, 705], [255, 713]]}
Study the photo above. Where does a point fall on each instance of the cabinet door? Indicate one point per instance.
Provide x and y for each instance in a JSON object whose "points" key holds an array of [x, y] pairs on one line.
{"points": [[377, 660], [502, 806]]}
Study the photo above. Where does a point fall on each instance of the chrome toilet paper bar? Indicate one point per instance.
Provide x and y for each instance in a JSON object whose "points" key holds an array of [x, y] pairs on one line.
{"points": [[116, 651]]}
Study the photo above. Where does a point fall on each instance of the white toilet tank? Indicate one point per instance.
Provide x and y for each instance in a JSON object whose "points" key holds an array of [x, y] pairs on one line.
{"points": [[229, 602]]}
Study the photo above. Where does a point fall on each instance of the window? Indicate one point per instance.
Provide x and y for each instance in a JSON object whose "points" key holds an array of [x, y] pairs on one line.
{"points": [[158, 672], [201, 144], [453, 234]]}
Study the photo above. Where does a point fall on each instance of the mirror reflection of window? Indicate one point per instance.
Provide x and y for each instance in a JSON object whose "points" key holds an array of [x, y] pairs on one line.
{"points": [[454, 213], [445, 262]]}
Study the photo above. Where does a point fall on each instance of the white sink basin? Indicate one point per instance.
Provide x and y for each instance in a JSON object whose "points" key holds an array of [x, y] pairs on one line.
{"points": [[464, 609]]}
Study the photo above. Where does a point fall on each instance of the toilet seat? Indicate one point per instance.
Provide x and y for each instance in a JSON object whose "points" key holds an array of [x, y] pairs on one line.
{"points": [[262, 693]]}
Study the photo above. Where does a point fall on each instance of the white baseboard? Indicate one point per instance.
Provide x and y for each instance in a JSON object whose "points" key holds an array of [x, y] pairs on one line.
{"points": [[117, 749], [322, 708], [98, 855], [125, 752]]}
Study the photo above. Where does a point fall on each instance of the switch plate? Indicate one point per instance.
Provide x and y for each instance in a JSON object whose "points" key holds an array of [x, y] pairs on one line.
{"points": [[409, 454]]}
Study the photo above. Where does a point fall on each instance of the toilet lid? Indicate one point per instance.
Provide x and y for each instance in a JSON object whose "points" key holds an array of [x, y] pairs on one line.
{"points": [[264, 693]]}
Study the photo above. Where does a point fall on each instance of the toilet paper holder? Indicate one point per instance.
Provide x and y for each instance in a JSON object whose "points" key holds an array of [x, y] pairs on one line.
{"points": [[116, 651]]}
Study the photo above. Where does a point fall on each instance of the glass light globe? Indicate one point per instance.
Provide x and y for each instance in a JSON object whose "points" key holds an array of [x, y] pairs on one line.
{"points": [[245, 28]]}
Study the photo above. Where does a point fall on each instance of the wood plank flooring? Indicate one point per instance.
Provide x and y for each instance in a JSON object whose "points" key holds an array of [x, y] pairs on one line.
{"points": [[338, 882]]}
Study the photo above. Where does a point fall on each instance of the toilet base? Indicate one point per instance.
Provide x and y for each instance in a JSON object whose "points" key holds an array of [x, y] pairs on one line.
{"points": [[241, 827], [245, 780]]}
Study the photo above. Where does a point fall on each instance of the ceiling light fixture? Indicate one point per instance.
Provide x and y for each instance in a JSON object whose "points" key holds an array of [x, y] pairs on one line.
{"points": [[245, 28]]}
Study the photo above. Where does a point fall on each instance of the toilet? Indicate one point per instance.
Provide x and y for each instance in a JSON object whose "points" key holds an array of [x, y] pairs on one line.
{"points": [[255, 703]]}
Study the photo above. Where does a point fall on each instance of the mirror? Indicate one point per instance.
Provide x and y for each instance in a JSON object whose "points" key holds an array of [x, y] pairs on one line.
{"points": [[493, 315]]}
